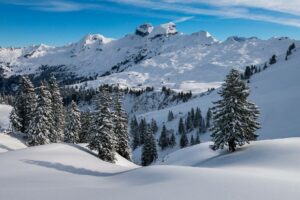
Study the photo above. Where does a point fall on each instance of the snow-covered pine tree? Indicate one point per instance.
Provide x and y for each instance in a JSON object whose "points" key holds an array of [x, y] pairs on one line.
{"points": [[142, 130], [273, 60], [25, 103], [149, 151], [234, 117], [86, 123], [163, 139], [121, 128], [192, 115], [181, 128], [57, 111], [208, 118], [183, 140], [197, 141], [202, 127], [172, 140], [134, 132], [154, 125], [102, 132], [39, 129], [170, 116], [192, 140], [189, 123], [198, 118], [15, 121], [73, 124]]}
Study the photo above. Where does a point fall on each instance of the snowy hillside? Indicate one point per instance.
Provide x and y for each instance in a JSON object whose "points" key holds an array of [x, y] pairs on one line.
{"points": [[274, 90], [61, 171], [4, 113], [152, 56]]}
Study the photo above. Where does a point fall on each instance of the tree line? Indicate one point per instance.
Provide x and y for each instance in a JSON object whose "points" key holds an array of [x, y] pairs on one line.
{"points": [[39, 114]]}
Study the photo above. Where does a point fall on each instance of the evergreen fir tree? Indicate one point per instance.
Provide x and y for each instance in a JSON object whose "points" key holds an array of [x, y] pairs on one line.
{"points": [[198, 118], [149, 152], [102, 132], [73, 126], [170, 116], [121, 129], [163, 139], [154, 126], [189, 123], [57, 111], [192, 140], [86, 123], [15, 120], [202, 127], [172, 140], [197, 141], [192, 116], [142, 130], [273, 60], [39, 129], [234, 117], [208, 118], [183, 140], [181, 128], [25, 103], [134, 131]]}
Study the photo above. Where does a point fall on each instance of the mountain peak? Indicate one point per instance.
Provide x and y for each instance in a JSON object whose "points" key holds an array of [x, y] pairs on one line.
{"points": [[164, 29], [144, 29], [94, 38]]}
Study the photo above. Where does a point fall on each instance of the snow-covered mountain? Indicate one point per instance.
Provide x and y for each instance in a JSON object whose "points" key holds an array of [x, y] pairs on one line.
{"points": [[151, 56]]}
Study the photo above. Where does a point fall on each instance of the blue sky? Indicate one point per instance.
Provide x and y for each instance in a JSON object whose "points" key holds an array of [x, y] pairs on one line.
{"points": [[58, 22]]}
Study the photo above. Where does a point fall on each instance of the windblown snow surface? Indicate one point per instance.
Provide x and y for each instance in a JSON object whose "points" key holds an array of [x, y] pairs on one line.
{"points": [[262, 170]]}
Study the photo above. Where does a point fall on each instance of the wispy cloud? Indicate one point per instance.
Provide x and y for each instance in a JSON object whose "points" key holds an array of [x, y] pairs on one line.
{"points": [[273, 11], [183, 19]]}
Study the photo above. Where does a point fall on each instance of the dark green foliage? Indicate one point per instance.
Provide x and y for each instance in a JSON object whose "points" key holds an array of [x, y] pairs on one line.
{"points": [[142, 130], [234, 117], [86, 123], [154, 126], [273, 60], [197, 141], [172, 140], [198, 118], [183, 140], [121, 128], [192, 140], [170, 116], [181, 128], [134, 131], [208, 118], [102, 132], [163, 139], [189, 123], [149, 152]]}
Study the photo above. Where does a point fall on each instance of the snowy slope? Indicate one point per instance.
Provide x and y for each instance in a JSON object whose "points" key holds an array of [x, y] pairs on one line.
{"points": [[276, 154], [10, 143], [275, 91], [153, 56], [4, 116], [61, 171]]}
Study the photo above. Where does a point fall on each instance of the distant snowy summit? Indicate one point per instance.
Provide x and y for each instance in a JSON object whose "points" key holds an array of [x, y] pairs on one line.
{"points": [[150, 56]]}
